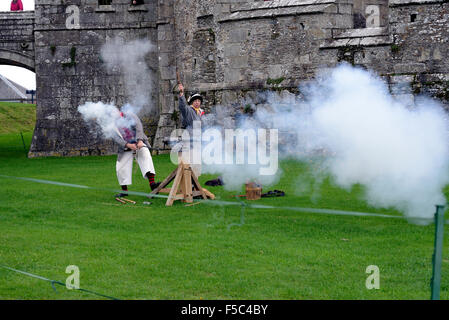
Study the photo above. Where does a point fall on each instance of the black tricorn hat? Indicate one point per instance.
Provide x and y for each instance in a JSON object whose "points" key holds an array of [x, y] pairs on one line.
{"points": [[194, 97]]}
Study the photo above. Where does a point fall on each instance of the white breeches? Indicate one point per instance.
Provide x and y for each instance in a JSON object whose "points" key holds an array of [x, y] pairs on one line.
{"points": [[124, 165]]}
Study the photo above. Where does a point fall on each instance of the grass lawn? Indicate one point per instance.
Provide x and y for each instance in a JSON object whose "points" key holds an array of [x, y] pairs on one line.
{"points": [[179, 252], [16, 117]]}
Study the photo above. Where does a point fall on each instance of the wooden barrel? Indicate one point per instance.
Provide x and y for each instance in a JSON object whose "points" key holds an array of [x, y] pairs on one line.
{"points": [[253, 191]]}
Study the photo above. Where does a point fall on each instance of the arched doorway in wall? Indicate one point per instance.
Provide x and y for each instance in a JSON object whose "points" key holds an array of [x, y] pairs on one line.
{"points": [[17, 84], [17, 109]]}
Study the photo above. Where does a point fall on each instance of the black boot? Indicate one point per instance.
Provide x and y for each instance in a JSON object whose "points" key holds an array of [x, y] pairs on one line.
{"points": [[124, 193], [121, 195], [154, 185]]}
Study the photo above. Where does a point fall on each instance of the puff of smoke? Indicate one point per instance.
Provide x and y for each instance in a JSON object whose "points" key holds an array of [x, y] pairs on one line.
{"points": [[351, 125], [106, 117], [129, 59], [361, 135], [400, 155], [238, 146], [366, 136]]}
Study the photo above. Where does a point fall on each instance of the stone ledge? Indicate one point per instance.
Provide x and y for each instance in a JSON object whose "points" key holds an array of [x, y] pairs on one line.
{"points": [[396, 3], [243, 85], [14, 39], [269, 13], [23, 15], [163, 21], [359, 33], [276, 4], [105, 8], [148, 24], [52, 2], [140, 8], [358, 42], [113, 26]]}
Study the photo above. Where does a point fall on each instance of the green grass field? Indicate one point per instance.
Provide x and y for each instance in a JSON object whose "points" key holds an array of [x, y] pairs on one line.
{"points": [[194, 252], [16, 117]]}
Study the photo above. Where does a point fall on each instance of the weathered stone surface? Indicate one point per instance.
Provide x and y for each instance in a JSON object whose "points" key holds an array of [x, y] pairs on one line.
{"points": [[17, 39], [227, 50]]}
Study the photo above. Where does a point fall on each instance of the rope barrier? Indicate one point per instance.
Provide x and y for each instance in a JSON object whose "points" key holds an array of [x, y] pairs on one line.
{"points": [[229, 203], [240, 203], [53, 282], [63, 184]]}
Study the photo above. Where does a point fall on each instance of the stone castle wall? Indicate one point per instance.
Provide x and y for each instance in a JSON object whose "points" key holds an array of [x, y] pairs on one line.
{"points": [[70, 72], [17, 39], [232, 49], [225, 49]]}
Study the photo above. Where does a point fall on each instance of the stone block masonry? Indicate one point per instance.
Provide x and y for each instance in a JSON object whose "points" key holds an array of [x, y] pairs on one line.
{"points": [[17, 39], [70, 72], [225, 49]]}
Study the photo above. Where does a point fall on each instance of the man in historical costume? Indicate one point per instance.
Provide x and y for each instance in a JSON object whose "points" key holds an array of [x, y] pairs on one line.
{"points": [[190, 111], [132, 142]]}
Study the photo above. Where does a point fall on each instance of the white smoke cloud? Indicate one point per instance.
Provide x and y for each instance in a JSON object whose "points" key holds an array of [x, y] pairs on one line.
{"points": [[400, 155], [107, 117], [361, 135], [241, 156], [129, 58]]}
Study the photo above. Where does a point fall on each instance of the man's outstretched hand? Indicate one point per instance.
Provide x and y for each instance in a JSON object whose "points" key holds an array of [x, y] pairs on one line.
{"points": [[181, 89]]}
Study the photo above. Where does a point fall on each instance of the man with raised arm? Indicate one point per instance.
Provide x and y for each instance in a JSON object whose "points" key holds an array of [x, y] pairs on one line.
{"points": [[189, 113], [192, 111]]}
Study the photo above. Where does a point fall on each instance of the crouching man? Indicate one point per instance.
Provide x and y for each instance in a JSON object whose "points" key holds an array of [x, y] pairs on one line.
{"points": [[132, 143]]}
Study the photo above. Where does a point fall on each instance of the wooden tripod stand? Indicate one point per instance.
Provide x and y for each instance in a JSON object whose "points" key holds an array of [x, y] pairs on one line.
{"points": [[185, 185]]}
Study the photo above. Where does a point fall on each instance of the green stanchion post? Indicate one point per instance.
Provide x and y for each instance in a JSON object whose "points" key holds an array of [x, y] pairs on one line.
{"points": [[438, 252], [24, 147]]}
